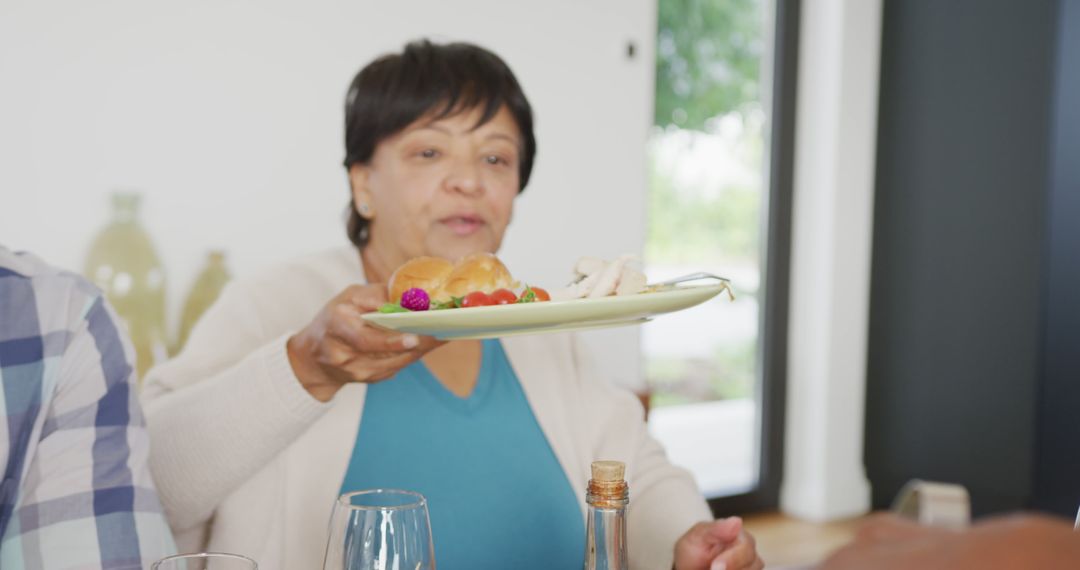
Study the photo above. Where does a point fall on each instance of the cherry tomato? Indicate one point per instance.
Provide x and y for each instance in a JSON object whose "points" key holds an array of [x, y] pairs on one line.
{"points": [[541, 295], [503, 297], [476, 299]]}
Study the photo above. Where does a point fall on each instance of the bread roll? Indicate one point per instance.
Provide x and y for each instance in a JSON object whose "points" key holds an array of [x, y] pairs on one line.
{"points": [[476, 272], [427, 273]]}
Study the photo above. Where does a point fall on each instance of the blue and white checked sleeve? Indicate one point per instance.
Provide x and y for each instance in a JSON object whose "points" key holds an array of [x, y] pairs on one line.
{"points": [[78, 492]]}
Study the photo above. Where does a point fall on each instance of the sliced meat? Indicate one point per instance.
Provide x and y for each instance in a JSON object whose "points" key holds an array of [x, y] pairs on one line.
{"points": [[588, 265], [577, 290], [609, 278], [630, 282]]}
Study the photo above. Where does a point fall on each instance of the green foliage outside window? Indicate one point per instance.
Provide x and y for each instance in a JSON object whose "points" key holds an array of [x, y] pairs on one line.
{"points": [[689, 227], [708, 60], [708, 65]]}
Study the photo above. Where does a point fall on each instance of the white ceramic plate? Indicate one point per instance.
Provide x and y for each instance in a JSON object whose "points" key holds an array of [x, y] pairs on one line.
{"points": [[550, 316]]}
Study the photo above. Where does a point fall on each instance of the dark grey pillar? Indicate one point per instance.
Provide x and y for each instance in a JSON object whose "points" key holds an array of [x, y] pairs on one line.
{"points": [[959, 240]]}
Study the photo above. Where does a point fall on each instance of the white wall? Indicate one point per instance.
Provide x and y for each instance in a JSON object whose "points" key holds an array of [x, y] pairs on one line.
{"points": [[227, 115]]}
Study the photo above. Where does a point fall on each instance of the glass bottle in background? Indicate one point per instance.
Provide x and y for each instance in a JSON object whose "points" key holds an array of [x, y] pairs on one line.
{"points": [[204, 292], [605, 534], [123, 263]]}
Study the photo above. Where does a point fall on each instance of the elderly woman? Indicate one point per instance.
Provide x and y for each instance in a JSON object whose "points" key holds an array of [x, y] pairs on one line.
{"points": [[278, 403]]}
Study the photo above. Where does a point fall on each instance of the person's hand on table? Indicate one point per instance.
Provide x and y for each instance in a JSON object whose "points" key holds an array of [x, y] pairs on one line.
{"points": [[339, 347], [887, 542], [718, 545]]}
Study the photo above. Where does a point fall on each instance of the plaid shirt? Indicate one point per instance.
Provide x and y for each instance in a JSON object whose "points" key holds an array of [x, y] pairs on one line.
{"points": [[76, 489]]}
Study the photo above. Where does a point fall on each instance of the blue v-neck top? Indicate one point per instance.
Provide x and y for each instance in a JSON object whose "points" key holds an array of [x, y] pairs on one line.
{"points": [[496, 493]]}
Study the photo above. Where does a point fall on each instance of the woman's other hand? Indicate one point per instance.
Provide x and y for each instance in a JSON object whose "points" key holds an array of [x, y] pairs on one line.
{"points": [[339, 347], [718, 545]]}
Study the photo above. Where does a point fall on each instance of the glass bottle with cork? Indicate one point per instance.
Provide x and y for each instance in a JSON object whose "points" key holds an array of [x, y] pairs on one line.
{"points": [[605, 534]]}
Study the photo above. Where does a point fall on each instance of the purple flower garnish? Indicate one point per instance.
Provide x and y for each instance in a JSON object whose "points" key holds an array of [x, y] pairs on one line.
{"points": [[415, 299]]}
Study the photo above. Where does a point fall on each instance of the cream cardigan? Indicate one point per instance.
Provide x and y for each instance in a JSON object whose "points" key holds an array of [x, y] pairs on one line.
{"points": [[247, 462]]}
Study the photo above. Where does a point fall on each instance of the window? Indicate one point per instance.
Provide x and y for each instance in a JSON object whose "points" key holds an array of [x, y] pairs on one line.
{"points": [[719, 193]]}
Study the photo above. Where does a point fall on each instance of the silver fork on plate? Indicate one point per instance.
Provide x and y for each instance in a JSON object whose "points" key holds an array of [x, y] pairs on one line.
{"points": [[671, 283], [691, 277]]}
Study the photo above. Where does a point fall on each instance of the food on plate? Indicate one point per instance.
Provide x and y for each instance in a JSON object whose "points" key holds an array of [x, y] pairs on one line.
{"points": [[475, 272], [481, 280], [595, 278], [427, 273], [476, 299], [415, 299], [503, 297], [476, 280], [538, 293], [442, 280]]}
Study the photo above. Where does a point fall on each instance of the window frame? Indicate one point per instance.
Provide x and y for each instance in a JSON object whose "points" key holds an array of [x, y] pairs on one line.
{"points": [[772, 353]]}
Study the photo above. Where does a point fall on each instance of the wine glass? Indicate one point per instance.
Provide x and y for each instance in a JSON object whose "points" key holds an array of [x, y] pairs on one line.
{"points": [[380, 529], [205, 561]]}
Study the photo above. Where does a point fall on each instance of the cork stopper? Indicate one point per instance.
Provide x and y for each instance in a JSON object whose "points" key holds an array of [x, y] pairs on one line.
{"points": [[608, 471], [608, 488]]}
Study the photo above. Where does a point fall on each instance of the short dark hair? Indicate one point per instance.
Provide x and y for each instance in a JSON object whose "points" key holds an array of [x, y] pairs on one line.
{"points": [[395, 90]]}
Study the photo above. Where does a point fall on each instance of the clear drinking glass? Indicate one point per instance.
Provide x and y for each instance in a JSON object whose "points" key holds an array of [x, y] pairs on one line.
{"points": [[206, 561], [380, 529]]}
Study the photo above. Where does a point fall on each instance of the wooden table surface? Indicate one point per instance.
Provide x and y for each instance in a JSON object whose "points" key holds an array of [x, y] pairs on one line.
{"points": [[785, 541]]}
